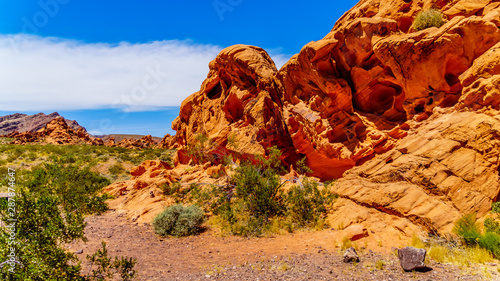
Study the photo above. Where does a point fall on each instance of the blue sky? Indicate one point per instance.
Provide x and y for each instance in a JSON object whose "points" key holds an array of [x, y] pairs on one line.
{"points": [[128, 64]]}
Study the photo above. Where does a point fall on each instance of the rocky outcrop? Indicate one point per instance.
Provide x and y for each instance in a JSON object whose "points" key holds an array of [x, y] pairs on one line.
{"points": [[237, 107], [144, 142], [352, 95], [142, 197], [30, 123], [57, 131], [407, 119]]}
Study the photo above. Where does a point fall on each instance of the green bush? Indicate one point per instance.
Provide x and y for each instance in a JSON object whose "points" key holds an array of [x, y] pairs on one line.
{"points": [[77, 188], [491, 242], [50, 205], [178, 220], [41, 228], [116, 169], [428, 18], [495, 208], [467, 228], [255, 202], [490, 225], [260, 189], [307, 204]]}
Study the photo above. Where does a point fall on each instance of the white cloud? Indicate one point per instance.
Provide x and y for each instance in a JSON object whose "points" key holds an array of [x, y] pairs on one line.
{"points": [[43, 74]]}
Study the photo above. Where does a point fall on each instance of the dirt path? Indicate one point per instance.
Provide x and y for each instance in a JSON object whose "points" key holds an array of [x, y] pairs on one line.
{"points": [[307, 255]]}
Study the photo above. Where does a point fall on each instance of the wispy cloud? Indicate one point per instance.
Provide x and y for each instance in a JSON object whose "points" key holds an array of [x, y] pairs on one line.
{"points": [[43, 74]]}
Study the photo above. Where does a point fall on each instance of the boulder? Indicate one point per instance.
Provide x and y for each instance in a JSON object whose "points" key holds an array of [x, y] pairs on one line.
{"points": [[350, 255], [412, 258], [355, 232]]}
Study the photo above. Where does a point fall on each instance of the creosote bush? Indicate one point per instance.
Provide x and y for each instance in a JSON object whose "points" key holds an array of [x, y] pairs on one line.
{"points": [[178, 220], [428, 18]]}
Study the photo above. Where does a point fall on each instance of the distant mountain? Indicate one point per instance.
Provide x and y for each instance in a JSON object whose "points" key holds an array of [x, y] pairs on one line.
{"points": [[30, 123]]}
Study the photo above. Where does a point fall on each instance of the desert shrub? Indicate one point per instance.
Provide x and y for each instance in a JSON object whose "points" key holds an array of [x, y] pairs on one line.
{"points": [[260, 190], [50, 204], [495, 207], [345, 244], [106, 268], [31, 156], [491, 225], [116, 169], [491, 242], [198, 149], [467, 228], [77, 188], [41, 228], [255, 203], [449, 251], [428, 18], [178, 220], [307, 204]]}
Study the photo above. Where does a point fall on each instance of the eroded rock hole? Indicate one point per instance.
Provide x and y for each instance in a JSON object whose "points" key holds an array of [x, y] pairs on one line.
{"points": [[405, 24], [419, 108], [451, 79], [215, 92]]}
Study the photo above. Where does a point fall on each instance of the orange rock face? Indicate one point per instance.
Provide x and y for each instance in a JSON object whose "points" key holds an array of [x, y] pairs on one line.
{"points": [[352, 95], [237, 107]]}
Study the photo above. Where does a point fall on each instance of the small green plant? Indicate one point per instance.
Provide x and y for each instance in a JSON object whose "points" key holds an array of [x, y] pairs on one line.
{"points": [[178, 220], [491, 242], [495, 207], [232, 140], [491, 225], [428, 18], [467, 228], [106, 268], [346, 243], [379, 264], [116, 169], [307, 204], [302, 168], [199, 148]]}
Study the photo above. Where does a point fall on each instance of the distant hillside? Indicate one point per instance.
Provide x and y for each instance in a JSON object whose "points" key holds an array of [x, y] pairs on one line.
{"points": [[120, 137], [30, 123]]}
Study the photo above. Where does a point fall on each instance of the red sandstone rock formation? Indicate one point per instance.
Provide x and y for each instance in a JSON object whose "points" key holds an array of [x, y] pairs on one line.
{"points": [[415, 111], [57, 131], [238, 107], [144, 142], [30, 123]]}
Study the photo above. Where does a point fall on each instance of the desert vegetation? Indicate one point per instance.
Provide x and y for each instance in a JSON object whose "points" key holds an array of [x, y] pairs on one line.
{"points": [[473, 245], [26, 157], [56, 188], [428, 18], [255, 202]]}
